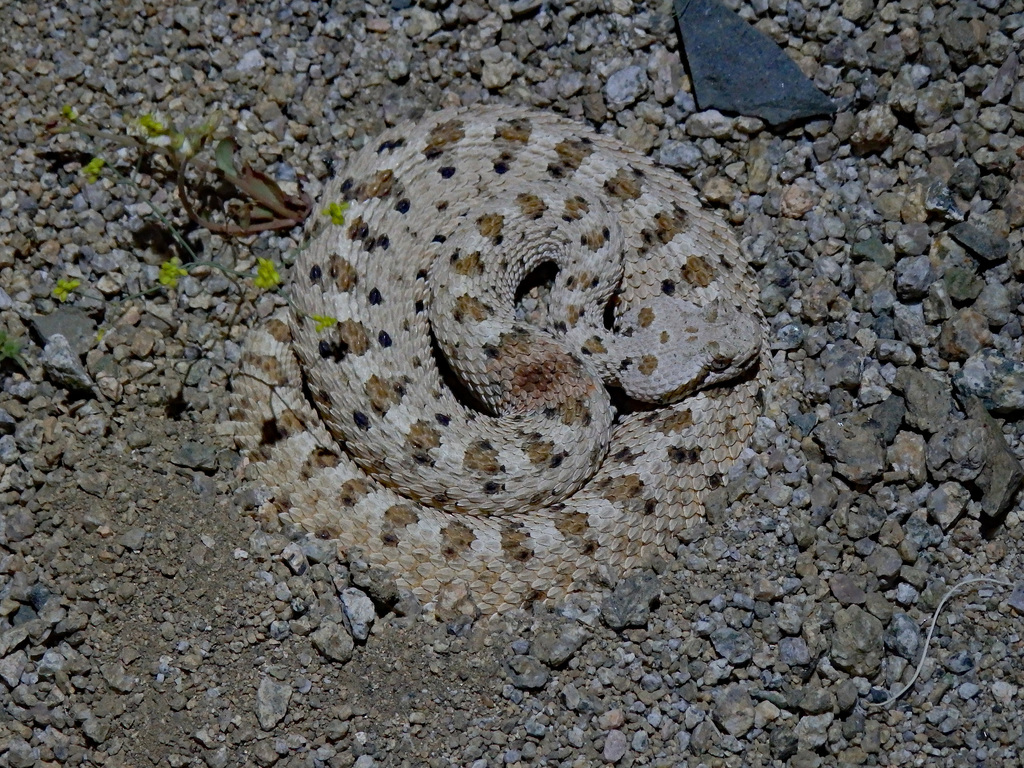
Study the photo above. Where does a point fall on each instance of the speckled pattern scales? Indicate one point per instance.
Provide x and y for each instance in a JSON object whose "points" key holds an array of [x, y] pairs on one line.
{"points": [[515, 492]]}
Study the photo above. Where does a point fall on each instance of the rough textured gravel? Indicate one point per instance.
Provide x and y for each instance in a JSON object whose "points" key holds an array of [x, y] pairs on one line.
{"points": [[149, 617]]}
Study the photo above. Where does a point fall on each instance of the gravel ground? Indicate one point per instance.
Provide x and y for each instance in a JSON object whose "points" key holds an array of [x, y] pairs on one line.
{"points": [[146, 617]]}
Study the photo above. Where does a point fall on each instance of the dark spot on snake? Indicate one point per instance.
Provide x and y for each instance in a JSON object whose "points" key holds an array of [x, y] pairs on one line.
{"points": [[325, 349], [443, 420], [384, 339], [419, 307], [668, 287], [375, 297], [447, 171], [439, 239], [491, 487], [556, 461], [650, 506], [315, 273], [270, 433], [346, 185], [491, 353], [679, 455], [390, 145], [421, 275], [606, 232], [715, 481], [500, 167], [384, 242], [360, 419], [402, 206], [561, 327]]}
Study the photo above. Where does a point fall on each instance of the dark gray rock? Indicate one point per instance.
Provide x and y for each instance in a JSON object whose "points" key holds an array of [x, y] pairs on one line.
{"points": [[997, 380], [379, 583], [737, 69], [732, 645], [554, 646], [333, 641], [1002, 473], [794, 652], [983, 243], [70, 322], [734, 710], [857, 642], [272, 700], [857, 441], [928, 400], [63, 366], [196, 456], [629, 604], [526, 673]]}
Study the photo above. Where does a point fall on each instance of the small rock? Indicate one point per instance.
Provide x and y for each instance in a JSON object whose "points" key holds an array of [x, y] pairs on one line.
{"points": [[734, 646], [946, 503], [914, 276], [527, 673], [683, 155], [903, 637], [846, 589], [734, 710], [629, 604], [272, 702], [625, 87], [983, 243], [96, 729], [857, 641], [72, 323], [615, 746], [794, 651], [21, 754], [1002, 473], [964, 334], [812, 731], [885, 562], [710, 123], [333, 641], [359, 612], [196, 456], [998, 381], [62, 365], [855, 443], [379, 583], [929, 401], [293, 557], [556, 645], [250, 61]]}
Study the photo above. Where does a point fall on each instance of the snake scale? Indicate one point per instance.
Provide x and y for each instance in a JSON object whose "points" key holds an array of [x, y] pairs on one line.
{"points": [[526, 352]]}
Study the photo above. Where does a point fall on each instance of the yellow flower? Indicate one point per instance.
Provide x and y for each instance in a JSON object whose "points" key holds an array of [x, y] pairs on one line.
{"points": [[64, 288], [170, 271], [91, 170], [69, 112], [336, 211], [151, 126], [324, 321], [266, 274]]}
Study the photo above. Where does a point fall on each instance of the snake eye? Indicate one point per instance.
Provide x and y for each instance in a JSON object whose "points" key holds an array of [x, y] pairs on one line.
{"points": [[719, 364]]}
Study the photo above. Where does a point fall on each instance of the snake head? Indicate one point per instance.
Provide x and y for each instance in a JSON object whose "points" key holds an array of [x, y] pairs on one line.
{"points": [[674, 347]]}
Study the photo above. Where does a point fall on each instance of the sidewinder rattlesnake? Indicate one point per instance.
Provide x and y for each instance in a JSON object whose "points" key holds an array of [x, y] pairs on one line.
{"points": [[514, 488]]}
